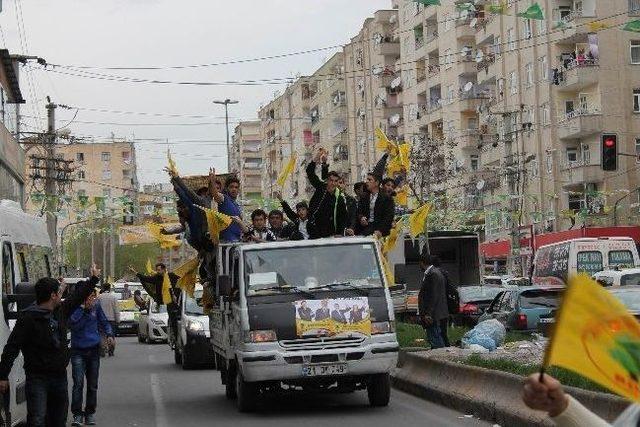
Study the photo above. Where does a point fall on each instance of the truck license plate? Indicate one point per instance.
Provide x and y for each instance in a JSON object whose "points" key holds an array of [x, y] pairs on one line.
{"points": [[324, 370]]}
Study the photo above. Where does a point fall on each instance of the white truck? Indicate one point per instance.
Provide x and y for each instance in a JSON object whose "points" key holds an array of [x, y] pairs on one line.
{"points": [[314, 315]]}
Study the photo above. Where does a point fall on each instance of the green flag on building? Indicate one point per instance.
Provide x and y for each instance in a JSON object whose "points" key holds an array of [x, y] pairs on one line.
{"points": [[633, 26], [533, 12], [428, 2]]}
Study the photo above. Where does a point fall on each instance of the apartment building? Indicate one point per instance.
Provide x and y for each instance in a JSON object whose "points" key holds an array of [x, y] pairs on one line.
{"points": [[374, 90], [12, 155], [157, 203], [247, 159], [519, 107]]}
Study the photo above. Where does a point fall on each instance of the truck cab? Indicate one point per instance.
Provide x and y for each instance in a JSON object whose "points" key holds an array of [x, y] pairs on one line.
{"points": [[313, 314]]}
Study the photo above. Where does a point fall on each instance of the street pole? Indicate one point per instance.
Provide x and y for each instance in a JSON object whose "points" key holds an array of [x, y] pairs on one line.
{"points": [[226, 103], [50, 180], [112, 252]]}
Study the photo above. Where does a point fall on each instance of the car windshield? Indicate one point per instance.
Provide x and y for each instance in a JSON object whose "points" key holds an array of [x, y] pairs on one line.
{"points": [[193, 305], [630, 298], [158, 308], [478, 293], [541, 298], [308, 267], [630, 279]]}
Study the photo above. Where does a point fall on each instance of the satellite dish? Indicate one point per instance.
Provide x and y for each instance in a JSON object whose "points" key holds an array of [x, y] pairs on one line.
{"points": [[480, 184], [473, 22], [468, 86], [464, 14], [479, 56]]}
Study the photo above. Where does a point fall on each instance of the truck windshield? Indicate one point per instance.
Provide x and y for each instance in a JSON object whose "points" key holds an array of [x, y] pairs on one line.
{"points": [[193, 305], [309, 267]]}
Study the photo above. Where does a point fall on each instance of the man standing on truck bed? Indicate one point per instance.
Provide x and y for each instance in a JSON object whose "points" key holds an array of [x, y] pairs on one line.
{"points": [[41, 334], [328, 211]]}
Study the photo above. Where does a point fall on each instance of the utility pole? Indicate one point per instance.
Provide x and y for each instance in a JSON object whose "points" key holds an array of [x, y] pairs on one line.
{"points": [[112, 252], [50, 178], [226, 103]]}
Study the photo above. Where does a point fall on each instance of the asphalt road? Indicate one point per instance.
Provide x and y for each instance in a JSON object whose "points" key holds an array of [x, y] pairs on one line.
{"points": [[141, 386]]}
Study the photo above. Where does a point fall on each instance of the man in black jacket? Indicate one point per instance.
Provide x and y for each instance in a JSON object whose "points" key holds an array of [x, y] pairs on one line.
{"points": [[328, 211], [375, 210], [432, 301], [41, 334], [298, 219]]}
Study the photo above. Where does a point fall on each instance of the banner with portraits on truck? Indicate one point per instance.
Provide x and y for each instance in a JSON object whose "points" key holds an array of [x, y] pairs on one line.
{"points": [[333, 317]]}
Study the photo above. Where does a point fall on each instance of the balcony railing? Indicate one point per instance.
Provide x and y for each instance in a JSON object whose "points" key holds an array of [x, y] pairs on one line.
{"points": [[419, 43], [573, 164], [579, 63], [580, 112], [433, 70], [486, 61]]}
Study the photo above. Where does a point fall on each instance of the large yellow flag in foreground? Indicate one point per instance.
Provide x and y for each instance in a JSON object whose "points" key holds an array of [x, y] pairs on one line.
{"points": [[418, 218], [188, 276], [287, 170], [216, 222], [166, 286], [596, 337]]}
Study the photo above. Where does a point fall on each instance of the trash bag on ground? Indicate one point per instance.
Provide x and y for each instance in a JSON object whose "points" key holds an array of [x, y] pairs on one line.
{"points": [[489, 334]]}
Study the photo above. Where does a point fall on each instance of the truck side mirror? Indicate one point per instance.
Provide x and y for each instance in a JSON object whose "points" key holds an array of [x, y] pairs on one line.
{"points": [[224, 285]]}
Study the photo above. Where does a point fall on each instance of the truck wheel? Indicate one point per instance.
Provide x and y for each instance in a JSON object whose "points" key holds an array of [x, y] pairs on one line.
{"points": [[379, 390], [140, 337], [247, 394], [230, 382], [177, 356]]}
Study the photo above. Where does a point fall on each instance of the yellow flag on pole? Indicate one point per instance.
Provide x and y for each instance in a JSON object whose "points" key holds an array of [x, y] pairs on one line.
{"points": [[172, 163], [216, 222], [187, 274], [166, 287], [596, 336], [384, 144], [418, 218], [402, 196], [149, 267], [389, 242], [287, 170], [165, 241]]}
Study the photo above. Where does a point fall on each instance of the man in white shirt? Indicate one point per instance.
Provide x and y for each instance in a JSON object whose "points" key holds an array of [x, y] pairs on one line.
{"points": [[109, 303]]}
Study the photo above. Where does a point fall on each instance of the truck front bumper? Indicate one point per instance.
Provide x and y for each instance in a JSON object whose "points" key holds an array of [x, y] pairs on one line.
{"points": [[276, 364]]}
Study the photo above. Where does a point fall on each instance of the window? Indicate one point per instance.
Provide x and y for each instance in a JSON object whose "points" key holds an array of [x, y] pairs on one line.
{"points": [[623, 259], [529, 74], [589, 262], [569, 107], [80, 157], [126, 156], [576, 201], [549, 163], [572, 154], [8, 275], [106, 174], [501, 89], [637, 150], [450, 93], [544, 114], [126, 173], [534, 169], [583, 99], [542, 27], [106, 157], [544, 68], [513, 83], [81, 175], [635, 51], [496, 45], [474, 161], [526, 29], [448, 22], [472, 123], [511, 44], [636, 100], [634, 7]]}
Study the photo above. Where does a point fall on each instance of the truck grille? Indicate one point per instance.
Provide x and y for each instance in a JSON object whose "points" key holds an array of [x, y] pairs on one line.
{"points": [[320, 343]]}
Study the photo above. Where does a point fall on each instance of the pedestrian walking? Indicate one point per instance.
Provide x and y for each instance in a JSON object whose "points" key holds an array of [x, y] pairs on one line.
{"points": [[126, 292], [40, 333], [432, 301], [109, 303], [87, 323]]}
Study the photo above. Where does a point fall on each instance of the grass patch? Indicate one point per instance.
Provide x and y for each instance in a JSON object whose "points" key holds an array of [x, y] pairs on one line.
{"points": [[566, 377], [412, 335]]}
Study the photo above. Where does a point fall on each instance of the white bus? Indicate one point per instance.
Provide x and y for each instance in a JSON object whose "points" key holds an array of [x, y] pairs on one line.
{"points": [[26, 257]]}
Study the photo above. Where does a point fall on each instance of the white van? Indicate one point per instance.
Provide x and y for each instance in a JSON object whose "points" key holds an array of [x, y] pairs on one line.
{"points": [[26, 257], [556, 262]]}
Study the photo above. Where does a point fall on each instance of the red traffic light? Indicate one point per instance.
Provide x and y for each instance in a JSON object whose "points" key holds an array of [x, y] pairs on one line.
{"points": [[609, 143]]}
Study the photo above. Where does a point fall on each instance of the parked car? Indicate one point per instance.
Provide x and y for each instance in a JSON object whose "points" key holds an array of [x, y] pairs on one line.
{"points": [[474, 300], [521, 308], [118, 287], [153, 323], [128, 317], [627, 277]]}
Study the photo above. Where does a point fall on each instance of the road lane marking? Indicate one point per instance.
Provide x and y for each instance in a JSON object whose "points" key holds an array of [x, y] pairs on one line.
{"points": [[160, 410]]}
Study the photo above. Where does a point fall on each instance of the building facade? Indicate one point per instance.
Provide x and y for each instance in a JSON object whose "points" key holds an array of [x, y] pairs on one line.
{"points": [[247, 160], [12, 155]]}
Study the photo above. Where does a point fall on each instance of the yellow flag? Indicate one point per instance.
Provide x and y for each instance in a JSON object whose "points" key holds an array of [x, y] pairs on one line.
{"points": [[188, 275], [165, 241], [287, 170], [596, 336], [384, 144], [172, 163], [402, 196], [389, 242], [216, 222], [149, 267], [418, 218], [109, 279], [596, 26], [166, 286], [388, 272]]}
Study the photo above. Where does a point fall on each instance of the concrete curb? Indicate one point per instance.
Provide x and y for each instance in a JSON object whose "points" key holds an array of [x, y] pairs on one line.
{"points": [[491, 395]]}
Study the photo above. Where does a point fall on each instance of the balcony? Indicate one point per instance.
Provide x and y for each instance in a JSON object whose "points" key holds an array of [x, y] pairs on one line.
{"points": [[579, 172], [388, 49], [577, 76], [467, 66], [431, 41], [580, 123], [420, 48], [471, 100], [468, 140], [433, 70], [574, 25], [487, 61], [464, 29]]}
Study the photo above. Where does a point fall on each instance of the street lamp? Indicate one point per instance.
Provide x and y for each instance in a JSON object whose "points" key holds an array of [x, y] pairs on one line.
{"points": [[226, 103]]}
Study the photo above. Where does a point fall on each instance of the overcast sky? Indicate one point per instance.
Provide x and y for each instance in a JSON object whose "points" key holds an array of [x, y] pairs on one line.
{"points": [[127, 33]]}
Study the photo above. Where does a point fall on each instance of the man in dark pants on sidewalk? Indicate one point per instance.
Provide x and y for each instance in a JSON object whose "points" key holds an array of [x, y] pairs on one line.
{"points": [[432, 301], [86, 324], [41, 334]]}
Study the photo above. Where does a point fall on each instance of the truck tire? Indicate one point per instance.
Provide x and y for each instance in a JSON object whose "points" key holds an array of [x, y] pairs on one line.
{"points": [[379, 390], [230, 382], [247, 394], [177, 356]]}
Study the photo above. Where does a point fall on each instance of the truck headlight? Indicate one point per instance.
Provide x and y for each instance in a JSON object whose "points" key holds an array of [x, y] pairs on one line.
{"points": [[195, 326], [268, 335], [382, 328]]}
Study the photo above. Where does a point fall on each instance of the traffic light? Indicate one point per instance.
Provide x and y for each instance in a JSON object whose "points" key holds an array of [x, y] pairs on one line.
{"points": [[609, 152]]}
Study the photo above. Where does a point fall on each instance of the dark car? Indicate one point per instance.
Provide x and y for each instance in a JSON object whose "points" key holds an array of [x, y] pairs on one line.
{"points": [[521, 308], [474, 300]]}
